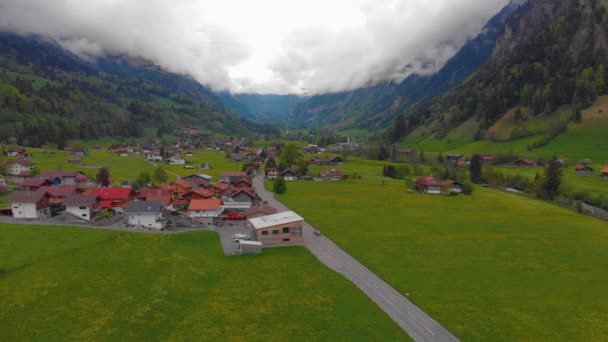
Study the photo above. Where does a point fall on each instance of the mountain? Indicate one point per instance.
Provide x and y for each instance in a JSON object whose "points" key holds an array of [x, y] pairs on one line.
{"points": [[263, 108], [48, 94], [375, 107], [548, 65]]}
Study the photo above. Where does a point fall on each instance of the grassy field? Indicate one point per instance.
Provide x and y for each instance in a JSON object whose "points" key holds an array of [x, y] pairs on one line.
{"points": [[571, 181], [217, 159], [129, 167], [82, 284], [491, 267]]}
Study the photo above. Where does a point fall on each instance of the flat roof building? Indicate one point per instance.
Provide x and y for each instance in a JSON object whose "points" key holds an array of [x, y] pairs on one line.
{"points": [[277, 228]]}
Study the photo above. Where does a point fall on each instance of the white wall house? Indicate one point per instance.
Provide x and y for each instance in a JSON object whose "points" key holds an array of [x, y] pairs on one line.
{"points": [[205, 211], [289, 176], [83, 207], [177, 161], [154, 158], [145, 214], [29, 205], [18, 167]]}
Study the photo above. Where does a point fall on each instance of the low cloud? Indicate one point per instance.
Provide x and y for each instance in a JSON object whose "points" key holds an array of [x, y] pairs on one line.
{"points": [[267, 46]]}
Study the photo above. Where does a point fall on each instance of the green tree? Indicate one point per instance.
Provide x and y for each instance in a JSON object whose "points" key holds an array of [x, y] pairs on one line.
{"points": [[289, 156], [279, 186], [143, 179], [476, 169], [553, 180], [160, 175]]}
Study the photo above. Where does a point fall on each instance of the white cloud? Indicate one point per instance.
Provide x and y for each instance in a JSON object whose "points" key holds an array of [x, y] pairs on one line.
{"points": [[266, 46]]}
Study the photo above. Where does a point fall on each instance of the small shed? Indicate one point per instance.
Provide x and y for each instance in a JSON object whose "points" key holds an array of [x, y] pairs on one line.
{"points": [[250, 247]]}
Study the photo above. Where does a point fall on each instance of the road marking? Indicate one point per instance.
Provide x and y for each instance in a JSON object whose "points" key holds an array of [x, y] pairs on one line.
{"points": [[429, 330]]}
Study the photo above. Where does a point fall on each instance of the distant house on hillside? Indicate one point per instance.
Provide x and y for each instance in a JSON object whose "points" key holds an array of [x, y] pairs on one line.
{"points": [[20, 168], [487, 159], [584, 170], [64, 177], [206, 166], [15, 152], [428, 185], [605, 173], [524, 163]]}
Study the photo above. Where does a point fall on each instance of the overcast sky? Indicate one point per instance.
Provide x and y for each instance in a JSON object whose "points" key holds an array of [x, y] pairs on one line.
{"points": [[263, 46]]}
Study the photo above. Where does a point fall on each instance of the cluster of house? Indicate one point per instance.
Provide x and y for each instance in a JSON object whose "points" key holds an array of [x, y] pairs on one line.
{"points": [[328, 175], [196, 194], [588, 170], [430, 185]]}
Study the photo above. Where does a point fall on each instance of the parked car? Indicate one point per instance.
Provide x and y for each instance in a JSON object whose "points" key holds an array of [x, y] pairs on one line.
{"points": [[240, 236]]}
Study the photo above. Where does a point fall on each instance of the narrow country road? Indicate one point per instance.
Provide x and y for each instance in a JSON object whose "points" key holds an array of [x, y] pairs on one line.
{"points": [[416, 323], [156, 165]]}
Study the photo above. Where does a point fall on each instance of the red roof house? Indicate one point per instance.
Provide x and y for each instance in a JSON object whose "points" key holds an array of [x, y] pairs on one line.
{"points": [[584, 170], [58, 193], [113, 198]]}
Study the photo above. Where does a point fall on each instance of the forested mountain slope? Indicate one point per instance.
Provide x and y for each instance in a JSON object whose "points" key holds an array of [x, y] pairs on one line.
{"points": [[48, 94], [548, 65]]}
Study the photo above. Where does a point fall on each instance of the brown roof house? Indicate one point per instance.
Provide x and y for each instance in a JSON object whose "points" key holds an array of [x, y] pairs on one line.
{"points": [[260, 210], [29, 205], [276, 229], [83, 207]]}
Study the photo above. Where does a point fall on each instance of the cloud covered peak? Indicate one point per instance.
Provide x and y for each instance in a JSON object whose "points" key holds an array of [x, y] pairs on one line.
{"points": [[266, 46]]}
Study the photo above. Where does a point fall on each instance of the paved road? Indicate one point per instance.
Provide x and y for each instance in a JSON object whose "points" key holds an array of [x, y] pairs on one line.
{"points": [[416, 323]]}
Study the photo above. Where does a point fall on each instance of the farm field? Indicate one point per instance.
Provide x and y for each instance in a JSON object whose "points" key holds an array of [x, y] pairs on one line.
{"points": [[492, 266], [85, 284]]}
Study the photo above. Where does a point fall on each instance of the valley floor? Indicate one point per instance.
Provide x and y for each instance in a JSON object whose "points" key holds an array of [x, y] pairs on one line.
{"points": [[106, 285], [491, 266]]}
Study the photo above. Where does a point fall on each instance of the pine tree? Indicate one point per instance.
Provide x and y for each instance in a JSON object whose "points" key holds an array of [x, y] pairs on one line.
{"points": [[553, 180], [382, 155], [476, 169]]}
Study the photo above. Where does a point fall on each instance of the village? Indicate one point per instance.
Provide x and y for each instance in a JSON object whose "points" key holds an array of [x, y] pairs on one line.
{"points": [[197, 200]]}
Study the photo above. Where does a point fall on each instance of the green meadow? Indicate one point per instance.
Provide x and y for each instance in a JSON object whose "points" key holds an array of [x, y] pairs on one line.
{"points": [[571, 180], [490, 267], [129, 167], [59, 283]]}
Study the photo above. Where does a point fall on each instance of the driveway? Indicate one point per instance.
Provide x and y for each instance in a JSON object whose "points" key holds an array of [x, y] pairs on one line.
{"points": [[416, 323]]}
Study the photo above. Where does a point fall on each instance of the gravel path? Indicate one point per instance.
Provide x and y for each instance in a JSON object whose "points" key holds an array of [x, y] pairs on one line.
{"points": [[416, 323]]}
